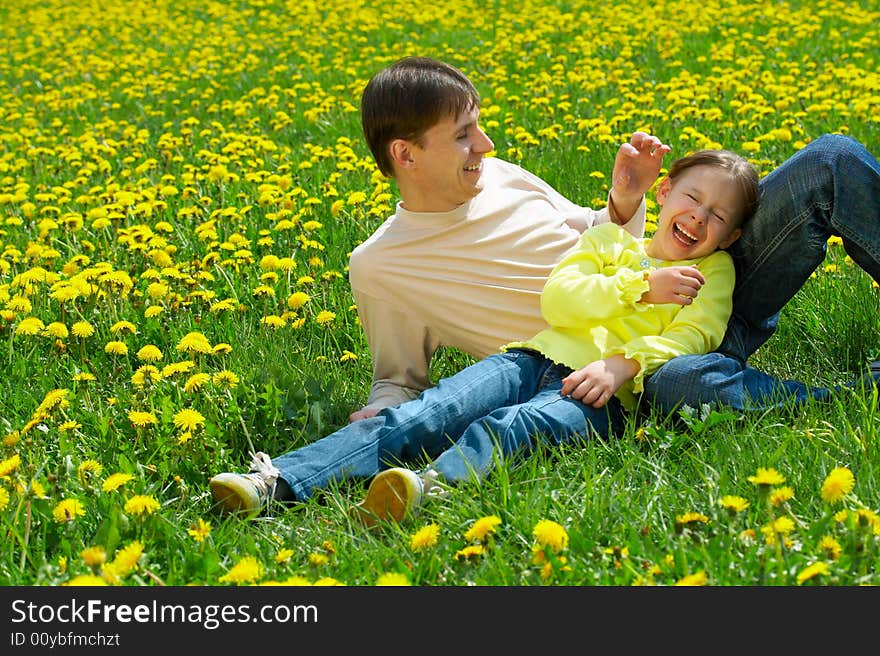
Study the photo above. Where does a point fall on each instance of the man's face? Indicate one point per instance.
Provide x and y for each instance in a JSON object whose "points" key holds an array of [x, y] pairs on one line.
{"points": [[446, 164]]}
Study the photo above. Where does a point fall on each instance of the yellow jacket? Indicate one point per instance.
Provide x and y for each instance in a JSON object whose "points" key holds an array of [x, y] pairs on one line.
{"points": [[590, 302]]}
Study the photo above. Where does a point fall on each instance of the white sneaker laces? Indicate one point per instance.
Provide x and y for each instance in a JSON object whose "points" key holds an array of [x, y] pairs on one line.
{"points": [[263, 473]]}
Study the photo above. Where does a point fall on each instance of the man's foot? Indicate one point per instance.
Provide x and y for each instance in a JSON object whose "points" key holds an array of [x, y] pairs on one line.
{"points": [[246, 493], [395, 494]]}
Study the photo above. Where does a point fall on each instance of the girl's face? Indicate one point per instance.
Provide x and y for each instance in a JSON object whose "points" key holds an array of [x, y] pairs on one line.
{"points": [[700, 212]]}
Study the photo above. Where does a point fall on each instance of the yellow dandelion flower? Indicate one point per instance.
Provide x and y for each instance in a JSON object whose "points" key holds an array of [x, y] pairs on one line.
{"points": [[142, 419], [153, 311], [10, 465], [699, 578], [324, 317], [318, 559], [734, 504], [177, 368], [54, 400], [196, 382], [145, 374], [88, 469], [246, 570], [812, 571], [225, 378], [766, 477], [82, 329], [189, 419], [141, 504], [223, 306], [56, 329], [837, 485], [149, 353], [470, 552], [88, 580], [780, 495], [328, 581], [550, 534], [348, 356], [483, 529], [273, 321], [115, 481], [68, 510], [194, 342], [297, 300], [67, 426], [200, 530], [425, 538], [94, 556], [19, 304], [296, 580], [29, 326], [115, 347], [283, 555], [123, 327], [393, 579], [84, 377], [4, 498], [831, 547], [221, 349], [125, 561]]}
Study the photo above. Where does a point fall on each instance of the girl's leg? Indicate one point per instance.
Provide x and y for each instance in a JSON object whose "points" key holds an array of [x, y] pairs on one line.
{"points": [[548, 418]]}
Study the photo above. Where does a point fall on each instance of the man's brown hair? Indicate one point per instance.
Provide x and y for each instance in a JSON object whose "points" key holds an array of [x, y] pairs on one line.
{"points": [[405, 99]]}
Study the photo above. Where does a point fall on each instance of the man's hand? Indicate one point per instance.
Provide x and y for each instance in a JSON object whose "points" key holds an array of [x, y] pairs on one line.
{"points": [[596, 383], [636, 167], [675, 284], [363, 413]]}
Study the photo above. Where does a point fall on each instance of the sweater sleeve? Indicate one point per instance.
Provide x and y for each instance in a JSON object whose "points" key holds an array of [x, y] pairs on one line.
{"points": [[400, 349], [580, 218], [596, 281], [697, 328], [587, 218]]}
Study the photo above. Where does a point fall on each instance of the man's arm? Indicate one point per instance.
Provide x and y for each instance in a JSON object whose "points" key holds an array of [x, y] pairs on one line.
{"points": [[401, 348]]}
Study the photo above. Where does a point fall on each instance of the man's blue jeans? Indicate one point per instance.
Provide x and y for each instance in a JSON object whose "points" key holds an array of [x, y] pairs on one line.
{"points": [[830, 187], [499, 406]]}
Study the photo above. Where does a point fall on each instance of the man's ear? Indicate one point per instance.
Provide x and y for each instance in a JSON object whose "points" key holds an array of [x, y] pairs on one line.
{"points": [[663, 190], [401, 153]]}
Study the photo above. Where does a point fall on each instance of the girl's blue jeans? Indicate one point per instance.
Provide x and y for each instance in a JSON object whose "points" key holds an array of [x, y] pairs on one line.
{"points": [[830, 187], [500, 406]]}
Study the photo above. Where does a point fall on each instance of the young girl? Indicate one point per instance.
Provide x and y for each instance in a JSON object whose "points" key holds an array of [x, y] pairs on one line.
{"points": [[618, 307]]}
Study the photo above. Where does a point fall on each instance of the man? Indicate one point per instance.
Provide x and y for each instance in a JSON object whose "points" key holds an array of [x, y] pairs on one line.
{"points": [[463, 260]]}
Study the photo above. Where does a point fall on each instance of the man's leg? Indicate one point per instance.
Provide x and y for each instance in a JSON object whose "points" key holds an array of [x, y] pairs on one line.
{"points": [[830, 187], [412, 431]]}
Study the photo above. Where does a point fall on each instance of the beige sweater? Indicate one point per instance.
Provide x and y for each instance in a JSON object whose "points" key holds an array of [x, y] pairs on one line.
{"points": [[470, 278]]}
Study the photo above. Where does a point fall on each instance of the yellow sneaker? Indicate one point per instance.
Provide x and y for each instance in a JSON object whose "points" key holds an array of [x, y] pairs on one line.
{"points": [[393, 495], [246, 493]]}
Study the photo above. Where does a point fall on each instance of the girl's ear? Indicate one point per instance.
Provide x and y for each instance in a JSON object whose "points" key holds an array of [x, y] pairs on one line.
{"points": [[663, 190], [732, 237], [401, 153]]}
